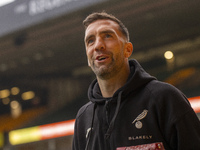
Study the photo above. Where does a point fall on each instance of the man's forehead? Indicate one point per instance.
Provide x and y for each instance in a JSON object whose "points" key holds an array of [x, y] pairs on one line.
{"points": [[103, 24], [103, 21]]}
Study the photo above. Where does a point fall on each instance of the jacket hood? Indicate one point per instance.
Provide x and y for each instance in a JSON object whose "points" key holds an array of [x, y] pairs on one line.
{"points": [[137, 78]]}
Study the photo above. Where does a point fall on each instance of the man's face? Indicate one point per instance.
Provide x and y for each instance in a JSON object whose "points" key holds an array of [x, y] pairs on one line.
{"points": [[105, 45]]}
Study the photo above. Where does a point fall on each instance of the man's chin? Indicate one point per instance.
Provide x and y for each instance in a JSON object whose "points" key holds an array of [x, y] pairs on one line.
{"points": [[102, 73]]}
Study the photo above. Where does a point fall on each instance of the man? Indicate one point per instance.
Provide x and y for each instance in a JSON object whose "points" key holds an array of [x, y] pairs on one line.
{"points": [[128, 107]]}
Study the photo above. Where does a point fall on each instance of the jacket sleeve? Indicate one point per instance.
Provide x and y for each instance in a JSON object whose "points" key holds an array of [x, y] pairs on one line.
{"points": [[184, 128], [188, 132], [75, 138], [178, 121], [80, 127]]}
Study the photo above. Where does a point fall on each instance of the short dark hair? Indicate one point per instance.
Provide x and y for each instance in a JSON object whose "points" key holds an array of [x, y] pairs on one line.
{"points": [[103, 15]]}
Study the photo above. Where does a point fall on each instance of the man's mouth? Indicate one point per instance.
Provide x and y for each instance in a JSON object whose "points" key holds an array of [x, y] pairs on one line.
{"points": [[100, 58]]}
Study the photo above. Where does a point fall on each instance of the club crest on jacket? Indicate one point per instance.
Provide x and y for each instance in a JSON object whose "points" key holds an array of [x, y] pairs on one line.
{"points": [[138, 123]]}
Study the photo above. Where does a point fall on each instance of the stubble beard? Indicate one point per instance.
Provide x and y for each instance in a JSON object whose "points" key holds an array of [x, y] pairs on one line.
{"points": [[106, 71]]}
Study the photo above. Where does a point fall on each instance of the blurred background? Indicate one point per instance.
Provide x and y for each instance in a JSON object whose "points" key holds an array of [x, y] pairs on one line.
{"points": [[44, 75]]}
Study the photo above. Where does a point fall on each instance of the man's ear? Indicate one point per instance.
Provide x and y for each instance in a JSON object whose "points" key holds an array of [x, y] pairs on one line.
{"points": [[128, 49], [89, 63]]}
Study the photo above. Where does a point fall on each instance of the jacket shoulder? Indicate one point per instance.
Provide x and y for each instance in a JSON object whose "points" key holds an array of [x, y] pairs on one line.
{"points": [[84, 108], [167, 97], [158, 88]]}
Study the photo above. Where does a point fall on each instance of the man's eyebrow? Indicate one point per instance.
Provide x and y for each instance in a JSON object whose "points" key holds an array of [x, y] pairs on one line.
{"points": [[107, 31], [102, 32]]}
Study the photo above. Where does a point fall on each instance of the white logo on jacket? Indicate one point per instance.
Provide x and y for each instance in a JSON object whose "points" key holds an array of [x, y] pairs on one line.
{"points": [[88, 131], [138, 123]]}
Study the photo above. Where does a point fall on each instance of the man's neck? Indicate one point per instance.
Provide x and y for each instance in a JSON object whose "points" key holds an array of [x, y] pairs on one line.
{"points": [[109, 86]]}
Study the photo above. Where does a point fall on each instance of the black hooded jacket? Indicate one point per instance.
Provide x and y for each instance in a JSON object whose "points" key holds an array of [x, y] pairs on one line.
{"points": [[143, 111]]}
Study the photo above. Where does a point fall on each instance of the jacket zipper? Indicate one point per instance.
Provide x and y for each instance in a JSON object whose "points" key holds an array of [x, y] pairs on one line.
{"points": [[107, 112], [107, 140]]}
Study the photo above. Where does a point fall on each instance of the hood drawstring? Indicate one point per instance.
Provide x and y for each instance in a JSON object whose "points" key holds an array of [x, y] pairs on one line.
{"points": [[111, 126], [90, 133]]}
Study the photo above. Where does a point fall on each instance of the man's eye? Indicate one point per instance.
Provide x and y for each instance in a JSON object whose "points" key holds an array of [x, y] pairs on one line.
{"points": [[108, 36], [90, 41]]}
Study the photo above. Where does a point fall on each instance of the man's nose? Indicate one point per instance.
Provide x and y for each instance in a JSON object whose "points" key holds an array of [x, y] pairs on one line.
{"points": [[99, 44]]}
